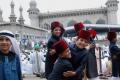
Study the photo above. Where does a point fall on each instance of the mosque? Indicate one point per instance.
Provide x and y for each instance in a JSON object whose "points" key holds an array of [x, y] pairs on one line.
{"points": [[23, 33], [40, 22], [102, 15]]}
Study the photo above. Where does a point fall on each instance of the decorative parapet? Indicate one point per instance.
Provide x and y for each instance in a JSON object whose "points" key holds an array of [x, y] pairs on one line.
{"points": [[102, 10], [27, 26]]}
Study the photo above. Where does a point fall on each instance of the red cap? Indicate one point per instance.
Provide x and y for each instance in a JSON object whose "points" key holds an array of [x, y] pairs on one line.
{"points": [[92, 33], [84, 34], [111, 35], [60, 46], [78, 26], [55, 24]]}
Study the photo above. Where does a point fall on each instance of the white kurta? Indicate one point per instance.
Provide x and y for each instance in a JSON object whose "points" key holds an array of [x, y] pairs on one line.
{"points": [[26, 67], [37, 59]]}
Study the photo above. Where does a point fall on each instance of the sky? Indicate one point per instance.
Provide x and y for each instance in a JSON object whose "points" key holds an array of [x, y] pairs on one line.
{"points": [[51, 6]]}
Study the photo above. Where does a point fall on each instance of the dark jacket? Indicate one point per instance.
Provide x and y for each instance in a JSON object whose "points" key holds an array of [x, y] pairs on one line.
{"points": [[50, 59], [91, 67], [10, 67], [115, 57], [61, 66], [78, 60]]}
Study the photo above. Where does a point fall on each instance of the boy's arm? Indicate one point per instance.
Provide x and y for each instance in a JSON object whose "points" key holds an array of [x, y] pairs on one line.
{"points": [[79, 70], [57, 72], [115, 50], [49, 47]]}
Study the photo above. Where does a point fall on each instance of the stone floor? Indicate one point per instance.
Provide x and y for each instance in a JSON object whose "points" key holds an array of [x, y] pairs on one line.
{"points": [[32, 77]]}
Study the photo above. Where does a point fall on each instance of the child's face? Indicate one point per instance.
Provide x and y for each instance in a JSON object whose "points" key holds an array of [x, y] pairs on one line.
{"points": [[66, 54], [57, 31], [81, 43], [5, 43]]}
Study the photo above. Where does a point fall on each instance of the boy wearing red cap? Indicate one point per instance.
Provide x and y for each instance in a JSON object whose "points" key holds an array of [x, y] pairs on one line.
{"points": [[91, 67], [115, 55], [56, 31], [78, 27], [79, 55], [62, 64]]}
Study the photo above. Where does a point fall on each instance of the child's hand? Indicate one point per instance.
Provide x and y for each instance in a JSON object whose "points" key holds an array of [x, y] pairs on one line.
{"points": [[52, 51], [92, 46], [88, 47], [69, 74]]}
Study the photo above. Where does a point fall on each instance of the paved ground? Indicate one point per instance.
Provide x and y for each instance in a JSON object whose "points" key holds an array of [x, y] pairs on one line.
{"points": [[31, 77]]}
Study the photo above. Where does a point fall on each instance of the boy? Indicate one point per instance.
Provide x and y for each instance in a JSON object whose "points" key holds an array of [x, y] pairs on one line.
{"points": [[115, 55], [10, 68], [79, 55], [57, 31], [91, 67], [62, 64]]}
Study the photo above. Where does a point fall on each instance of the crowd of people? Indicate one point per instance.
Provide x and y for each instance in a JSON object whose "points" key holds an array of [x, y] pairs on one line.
{"points": [[81, 59]]}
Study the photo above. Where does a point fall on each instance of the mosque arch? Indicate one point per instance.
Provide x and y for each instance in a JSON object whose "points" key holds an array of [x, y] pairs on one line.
{"points": [[46, 26], [100, 21], [87, 22], [71, 23]]}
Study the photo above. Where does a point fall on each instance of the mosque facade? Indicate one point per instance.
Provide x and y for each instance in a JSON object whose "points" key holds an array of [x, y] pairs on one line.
{"points": [[102, 15], [40, 22], [23, 33]]}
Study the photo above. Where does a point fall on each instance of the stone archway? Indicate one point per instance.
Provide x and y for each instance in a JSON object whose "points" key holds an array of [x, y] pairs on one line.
{"points": [[47, 26], [87, 22], [100, 21], [71, 23]]}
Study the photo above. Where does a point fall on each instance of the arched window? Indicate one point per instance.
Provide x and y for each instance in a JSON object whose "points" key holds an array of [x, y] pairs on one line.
{"points": [[100, 21], [87, 22], [46, 26], [71, 23]]}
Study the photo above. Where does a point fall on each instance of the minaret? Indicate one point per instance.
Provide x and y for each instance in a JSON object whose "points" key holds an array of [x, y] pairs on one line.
{"points": [[112, 8], [33, 14], [1, 18], [12, 15], [21, 19]]}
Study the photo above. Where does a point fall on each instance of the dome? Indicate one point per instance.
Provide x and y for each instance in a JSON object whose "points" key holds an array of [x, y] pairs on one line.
{"points": [[33, 3]]}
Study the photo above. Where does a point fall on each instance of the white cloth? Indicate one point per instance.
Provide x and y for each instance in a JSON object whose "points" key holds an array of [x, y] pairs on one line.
{"points": [[26, 67], [15, 47], [104, 65], [38, 65], [97, 53]]}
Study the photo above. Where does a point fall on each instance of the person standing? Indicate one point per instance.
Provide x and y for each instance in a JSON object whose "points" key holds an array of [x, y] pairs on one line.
{"points": [[62, 64], [115, 55], [91, 67], [79, 55], [10, 68], [37, 61], [78, 26], [57, 31]]}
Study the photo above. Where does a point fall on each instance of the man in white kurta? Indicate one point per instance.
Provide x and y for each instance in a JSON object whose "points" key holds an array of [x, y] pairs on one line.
{"points": [[37, 59]]}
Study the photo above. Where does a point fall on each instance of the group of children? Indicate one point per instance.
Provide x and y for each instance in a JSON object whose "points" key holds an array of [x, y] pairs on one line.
{"points": [[74, 61], [67, 61], [63, 61]]}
